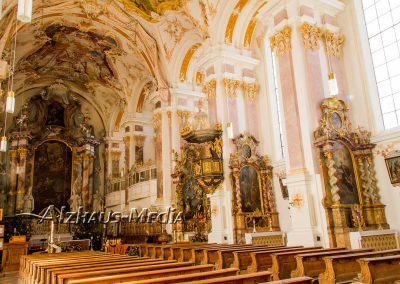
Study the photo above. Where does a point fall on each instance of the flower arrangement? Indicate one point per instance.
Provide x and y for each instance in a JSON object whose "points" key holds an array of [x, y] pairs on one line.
{"points": [[199, 237]]}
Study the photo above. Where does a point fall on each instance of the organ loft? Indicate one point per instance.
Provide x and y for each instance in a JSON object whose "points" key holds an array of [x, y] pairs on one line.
{"points": [[206, 141]]}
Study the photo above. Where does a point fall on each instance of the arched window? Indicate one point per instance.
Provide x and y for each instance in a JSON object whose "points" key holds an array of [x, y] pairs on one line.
{"points": [[382, 21]]}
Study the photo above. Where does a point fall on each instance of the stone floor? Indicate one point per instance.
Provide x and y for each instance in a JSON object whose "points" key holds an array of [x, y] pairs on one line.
{"points": [[9, 278]]}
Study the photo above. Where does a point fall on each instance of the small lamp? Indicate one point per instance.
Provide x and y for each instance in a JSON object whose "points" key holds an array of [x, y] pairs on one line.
{"points": [[332, 85], [24, 13], [10, 102], [3, 144], [229, 130]]}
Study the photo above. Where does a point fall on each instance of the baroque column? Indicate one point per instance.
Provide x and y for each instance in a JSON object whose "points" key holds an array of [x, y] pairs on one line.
{"points": [[21, 179], [12, 182]]}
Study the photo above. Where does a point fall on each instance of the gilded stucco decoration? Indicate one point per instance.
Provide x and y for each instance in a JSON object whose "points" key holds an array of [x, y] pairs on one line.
{"points": [[251, 26], [311, 35], [280, 42], [250, 91], [334, 43], [174, 28], [210, 89], [230, 27], [183, 117], [231, 87], [157, 123], [186, 61], [147, 8]]}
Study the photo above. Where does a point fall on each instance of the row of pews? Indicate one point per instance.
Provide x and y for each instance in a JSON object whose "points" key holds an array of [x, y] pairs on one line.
{"points": [[214, 263]]}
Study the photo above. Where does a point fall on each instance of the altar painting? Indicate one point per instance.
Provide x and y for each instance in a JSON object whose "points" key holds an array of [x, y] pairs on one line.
{"points": [[393, 167], [52, 175], [250, 190], [346, 180]]}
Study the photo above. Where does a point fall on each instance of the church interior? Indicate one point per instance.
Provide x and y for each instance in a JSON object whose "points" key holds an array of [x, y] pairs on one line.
{"points": [[199, 141]]}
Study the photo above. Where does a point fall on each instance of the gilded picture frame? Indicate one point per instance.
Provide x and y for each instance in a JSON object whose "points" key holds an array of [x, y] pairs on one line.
{"points": [[393, 167]]}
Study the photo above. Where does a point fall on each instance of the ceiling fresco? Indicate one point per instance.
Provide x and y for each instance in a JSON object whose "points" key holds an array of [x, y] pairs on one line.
{"points": [[146, 7], [72, 55]]}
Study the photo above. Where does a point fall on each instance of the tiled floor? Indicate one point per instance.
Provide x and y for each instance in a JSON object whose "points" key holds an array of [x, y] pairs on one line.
{"points": [[9, 278]]}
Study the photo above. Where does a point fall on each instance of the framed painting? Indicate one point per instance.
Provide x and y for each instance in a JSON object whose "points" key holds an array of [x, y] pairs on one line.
{"points": [[1, 231], [393, 167]]}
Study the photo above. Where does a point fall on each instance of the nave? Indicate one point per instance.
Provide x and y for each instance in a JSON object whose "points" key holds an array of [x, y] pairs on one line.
{"points": [[213, 263]]}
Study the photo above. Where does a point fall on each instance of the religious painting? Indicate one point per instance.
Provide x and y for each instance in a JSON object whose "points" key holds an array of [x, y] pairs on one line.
{"points": [[55, 114], [346, 180], [393, 167], [250, 189], [192, 200], [139, 154], [52, 175]]}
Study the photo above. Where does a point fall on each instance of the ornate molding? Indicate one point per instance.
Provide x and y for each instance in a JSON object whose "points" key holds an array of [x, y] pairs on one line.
{"points": [[334, 43], [311, 35], [280, 42], [183, 117], [210, 89], [230, 87], [250, 91], [157, 123]]}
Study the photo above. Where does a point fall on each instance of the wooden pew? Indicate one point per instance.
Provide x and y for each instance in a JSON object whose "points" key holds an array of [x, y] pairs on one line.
{"points": [[51, 273], [249, 278], [39, 267], [262, 260], [242, 259], [376, 270], [341, 268], [178, 275], [283, 263], [68, 277], [298, 280], [312, 264], [36, 265]]}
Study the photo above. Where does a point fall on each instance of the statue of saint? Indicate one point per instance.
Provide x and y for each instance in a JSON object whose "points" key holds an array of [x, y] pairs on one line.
{"points": [[29, 202]]}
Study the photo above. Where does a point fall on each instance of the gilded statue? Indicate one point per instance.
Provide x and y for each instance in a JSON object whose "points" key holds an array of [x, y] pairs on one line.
{"points": [[218, 147]]}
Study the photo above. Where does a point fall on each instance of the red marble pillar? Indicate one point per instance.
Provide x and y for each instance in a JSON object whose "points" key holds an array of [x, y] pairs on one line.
{"points": [[291, 111], [12, 182], [21, 179]]}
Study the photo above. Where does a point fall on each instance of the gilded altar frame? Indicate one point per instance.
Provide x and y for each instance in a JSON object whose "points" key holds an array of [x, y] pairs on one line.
{"points": [[262, 216], [351, 196]]}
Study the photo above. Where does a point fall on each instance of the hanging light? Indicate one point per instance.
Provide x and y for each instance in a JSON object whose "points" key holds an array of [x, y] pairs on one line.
{"points": [[10, 102], [332, 85], [229, 130], [3, 144], [1, 9], [24, 13]]}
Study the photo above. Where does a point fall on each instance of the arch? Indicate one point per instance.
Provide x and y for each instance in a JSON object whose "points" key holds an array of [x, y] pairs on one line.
{"points": [[186, 61]]}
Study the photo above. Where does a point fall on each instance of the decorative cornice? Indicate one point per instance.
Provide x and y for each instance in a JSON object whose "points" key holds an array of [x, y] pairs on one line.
{"points": [[311, 35], [231, 86], [334, 43], [250, 91], [280, 42], [210, 89]]}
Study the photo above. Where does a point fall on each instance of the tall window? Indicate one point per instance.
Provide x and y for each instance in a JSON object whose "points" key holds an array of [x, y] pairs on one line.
{"points": [[278, 106], [382, 18]]}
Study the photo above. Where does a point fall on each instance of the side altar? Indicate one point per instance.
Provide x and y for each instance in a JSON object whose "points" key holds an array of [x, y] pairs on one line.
{"points": [[351, 195]]}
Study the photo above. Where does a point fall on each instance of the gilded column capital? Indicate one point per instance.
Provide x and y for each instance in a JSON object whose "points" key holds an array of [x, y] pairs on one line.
{"points": [[281, 42], [311, 35], [13, 154], [231, 86], [250, 91], [139, 140], [334, 43], [183, 117], [210, 89], [157, 123], [22, 152], [126, 139]]}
